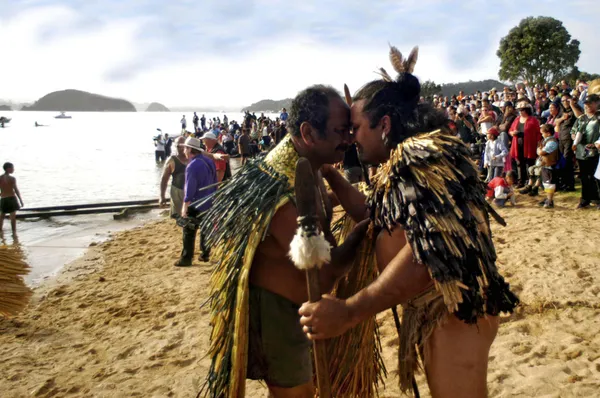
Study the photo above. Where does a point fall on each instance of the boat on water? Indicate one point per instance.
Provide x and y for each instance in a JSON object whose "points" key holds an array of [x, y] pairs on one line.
{"points": [[4, 120], [62, 116]]}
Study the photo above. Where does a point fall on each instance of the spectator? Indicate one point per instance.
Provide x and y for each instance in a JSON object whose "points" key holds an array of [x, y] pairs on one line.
{"points": [[487, 119], [495, 153], [562, 127], [500, 189], [174, 168], [168, 144], [525, 133], [9, 193], [244, 145], [585, 132], [222, 166], [549, 155], [195, 121], [284, 115], [200, 174], [183, 123], [159, 150]]}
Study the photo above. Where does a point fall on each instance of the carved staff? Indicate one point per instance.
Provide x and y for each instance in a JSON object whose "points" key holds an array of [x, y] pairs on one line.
{"points": [[309, 250]]}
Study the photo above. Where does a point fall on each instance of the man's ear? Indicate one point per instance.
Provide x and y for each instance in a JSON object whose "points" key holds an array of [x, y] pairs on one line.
{"points": [[386, 125], [306, 132]]}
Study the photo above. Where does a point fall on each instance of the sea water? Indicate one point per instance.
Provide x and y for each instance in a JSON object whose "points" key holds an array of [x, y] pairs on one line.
{"points": [[92, 158]]}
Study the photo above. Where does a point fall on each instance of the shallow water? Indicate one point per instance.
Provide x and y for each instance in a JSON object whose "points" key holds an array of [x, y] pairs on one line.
{"points": [[92, 158]]}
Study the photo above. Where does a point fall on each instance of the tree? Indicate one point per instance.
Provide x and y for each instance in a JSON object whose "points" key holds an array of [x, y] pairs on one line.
{"points": [[429, 88], [538, 50]]}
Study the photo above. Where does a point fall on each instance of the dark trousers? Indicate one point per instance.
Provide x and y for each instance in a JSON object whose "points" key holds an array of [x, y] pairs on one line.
{"points": [[589, 184], [159, 156], [189, 239], [522, 166], [567, 174]]}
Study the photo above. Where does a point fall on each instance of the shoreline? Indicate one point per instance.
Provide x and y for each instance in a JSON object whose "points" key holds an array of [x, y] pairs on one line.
{"points": [[122, 321]]}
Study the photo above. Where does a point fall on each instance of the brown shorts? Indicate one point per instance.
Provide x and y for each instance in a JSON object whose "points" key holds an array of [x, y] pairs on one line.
{"points": [[278, 350]]}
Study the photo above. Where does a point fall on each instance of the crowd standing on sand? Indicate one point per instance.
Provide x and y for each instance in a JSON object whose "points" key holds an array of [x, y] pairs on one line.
{"points": [[545, 133]]}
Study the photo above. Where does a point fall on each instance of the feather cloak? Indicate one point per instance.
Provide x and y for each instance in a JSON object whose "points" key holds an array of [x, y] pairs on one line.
{"points": [[431, 189]]}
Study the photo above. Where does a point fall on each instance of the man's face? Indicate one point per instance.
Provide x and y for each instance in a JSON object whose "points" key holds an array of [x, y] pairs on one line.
{"points": [[187, 151], [370, 146], [331, 148], [590, 107]]}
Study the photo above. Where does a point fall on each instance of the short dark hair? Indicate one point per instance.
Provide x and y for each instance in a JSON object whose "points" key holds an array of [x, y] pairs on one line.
{"points": [[311, 105], [399, 100], [8, 165], [512, 174]]}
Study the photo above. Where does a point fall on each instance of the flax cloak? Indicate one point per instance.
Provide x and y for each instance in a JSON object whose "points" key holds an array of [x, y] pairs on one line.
{"points": [[234, 227]]}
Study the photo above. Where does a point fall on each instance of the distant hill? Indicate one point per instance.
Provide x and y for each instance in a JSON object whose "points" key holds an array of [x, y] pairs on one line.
{"points": [[156, 107], [471, 87], [269, 106], [5, 108], [79, 101]]}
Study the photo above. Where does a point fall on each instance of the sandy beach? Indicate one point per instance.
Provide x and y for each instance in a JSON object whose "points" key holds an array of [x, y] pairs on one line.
{"points": [[122, 321]]}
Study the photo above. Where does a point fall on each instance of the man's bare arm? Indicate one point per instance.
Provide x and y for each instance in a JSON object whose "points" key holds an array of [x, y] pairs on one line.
{"points": [[164, 181], [401, 280], [351, 199]]}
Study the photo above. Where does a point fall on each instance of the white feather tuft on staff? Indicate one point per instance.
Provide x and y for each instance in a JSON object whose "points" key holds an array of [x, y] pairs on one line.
{"points": [[309, 251]]}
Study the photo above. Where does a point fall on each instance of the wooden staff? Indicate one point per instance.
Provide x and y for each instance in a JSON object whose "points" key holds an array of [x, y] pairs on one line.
{"points": [[309, 250]]}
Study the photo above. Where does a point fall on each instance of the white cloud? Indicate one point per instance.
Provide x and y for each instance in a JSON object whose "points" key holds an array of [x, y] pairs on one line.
{"points": [[85, 58]]}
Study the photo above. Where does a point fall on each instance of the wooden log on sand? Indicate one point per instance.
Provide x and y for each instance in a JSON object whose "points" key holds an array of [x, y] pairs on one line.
{"points": [[92, 205], [46, 214]]}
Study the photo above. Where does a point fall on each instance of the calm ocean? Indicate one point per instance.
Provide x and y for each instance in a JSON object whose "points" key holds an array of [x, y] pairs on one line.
{"points": [[93, 157]]}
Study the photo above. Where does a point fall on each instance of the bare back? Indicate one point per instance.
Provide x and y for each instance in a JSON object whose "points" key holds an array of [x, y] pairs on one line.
{"points": [[7, 186]]}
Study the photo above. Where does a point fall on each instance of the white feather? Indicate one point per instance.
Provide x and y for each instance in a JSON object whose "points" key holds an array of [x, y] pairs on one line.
{"points": [[308, 252]]}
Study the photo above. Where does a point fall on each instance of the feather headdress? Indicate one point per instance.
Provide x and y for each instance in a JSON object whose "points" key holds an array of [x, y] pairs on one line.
{"points": [[399, 63]]}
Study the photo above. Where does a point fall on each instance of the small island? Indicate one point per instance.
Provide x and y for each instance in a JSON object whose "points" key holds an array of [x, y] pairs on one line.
{"points": [[156, 107], [79, 101], [5, 108], [269, 106]]}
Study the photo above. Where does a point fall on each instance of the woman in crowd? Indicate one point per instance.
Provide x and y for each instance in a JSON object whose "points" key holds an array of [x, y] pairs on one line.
{"points": [[525, 133]]}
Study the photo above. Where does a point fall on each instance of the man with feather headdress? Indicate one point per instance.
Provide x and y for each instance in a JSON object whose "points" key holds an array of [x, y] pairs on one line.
{"points": [[256, 290], [432, 240]]}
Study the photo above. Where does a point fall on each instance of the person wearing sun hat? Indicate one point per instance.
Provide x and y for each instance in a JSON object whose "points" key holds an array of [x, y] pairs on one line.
{"points": [[525, 133], [200, 175]]}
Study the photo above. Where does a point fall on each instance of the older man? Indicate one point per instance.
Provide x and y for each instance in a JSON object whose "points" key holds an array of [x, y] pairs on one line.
{"points": [[174, 169], [256, 290], [200, 178]]}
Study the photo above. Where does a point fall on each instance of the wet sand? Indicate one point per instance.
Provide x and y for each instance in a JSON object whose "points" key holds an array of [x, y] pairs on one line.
{"points": [[122, 321]]}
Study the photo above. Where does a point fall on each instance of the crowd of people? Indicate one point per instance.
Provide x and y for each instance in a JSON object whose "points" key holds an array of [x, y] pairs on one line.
{"points": [[545, 134]]}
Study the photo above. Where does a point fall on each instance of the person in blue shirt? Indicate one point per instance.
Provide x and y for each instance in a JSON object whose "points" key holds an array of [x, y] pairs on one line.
{"points": [[200, 173], [284, 115]]}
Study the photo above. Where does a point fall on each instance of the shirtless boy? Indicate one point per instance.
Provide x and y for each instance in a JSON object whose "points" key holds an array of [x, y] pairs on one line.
{"points": [[9, 194]]}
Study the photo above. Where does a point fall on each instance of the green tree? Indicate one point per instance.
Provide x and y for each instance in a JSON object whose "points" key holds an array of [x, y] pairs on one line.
{"points": [[429, 88], [538, 50]]}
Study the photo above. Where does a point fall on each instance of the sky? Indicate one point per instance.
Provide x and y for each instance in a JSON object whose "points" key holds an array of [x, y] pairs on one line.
{"points": [[231, 53]]}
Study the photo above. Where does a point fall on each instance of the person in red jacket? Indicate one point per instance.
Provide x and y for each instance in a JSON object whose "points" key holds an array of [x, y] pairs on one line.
{"points": [[525, 133]]}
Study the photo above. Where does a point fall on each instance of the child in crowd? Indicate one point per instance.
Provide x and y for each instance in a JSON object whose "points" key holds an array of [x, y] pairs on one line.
{"points": [[549, 156], [495, 154], [500, 189]]}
